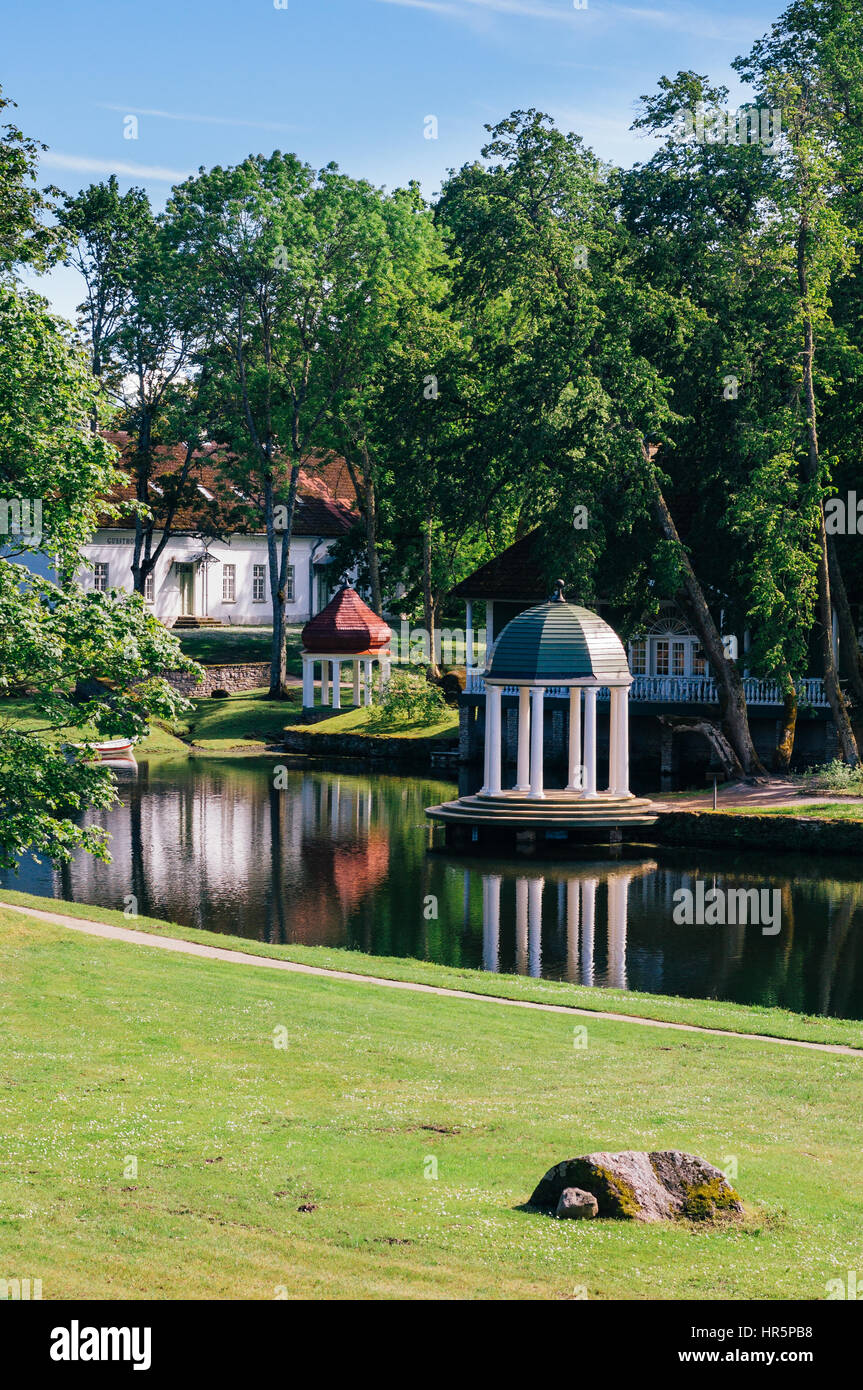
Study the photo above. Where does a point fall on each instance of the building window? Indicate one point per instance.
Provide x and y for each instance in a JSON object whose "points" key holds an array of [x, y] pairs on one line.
{"points": [[290, 584], [638, 657], [100, 576], [699, 665], [678, 658], [149, 587], [662, 658], [259, 583], [229, 583]]}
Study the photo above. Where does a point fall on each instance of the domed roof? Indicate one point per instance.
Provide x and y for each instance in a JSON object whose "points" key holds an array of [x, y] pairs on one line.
{"points": [[559, 642], [346, 625]]}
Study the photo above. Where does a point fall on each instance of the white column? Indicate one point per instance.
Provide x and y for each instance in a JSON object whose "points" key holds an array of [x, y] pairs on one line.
{"points": [[325, 681], [491, 922], [337, 685], [590, 741], [356, 682], [468, 635], [613, 738], [492, 732], [522, 776], [534, 925], [308, 682], [537, 696], [575, 773], [620, 780]]}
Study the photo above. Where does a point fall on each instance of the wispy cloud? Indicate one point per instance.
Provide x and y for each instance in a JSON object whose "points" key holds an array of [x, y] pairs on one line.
{"points": [[194, 117], [682, 19], [82, 164]]}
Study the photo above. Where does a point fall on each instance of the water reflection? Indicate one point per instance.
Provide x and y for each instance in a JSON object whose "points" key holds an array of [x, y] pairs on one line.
{"points": [[344, 858], [574, 900]]}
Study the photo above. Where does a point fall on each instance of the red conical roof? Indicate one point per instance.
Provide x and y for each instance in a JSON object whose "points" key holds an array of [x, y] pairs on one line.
{"points": [[346, 625]]}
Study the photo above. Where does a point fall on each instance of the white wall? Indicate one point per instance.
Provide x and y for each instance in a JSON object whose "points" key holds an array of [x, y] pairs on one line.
{"points": [[114, 548]]}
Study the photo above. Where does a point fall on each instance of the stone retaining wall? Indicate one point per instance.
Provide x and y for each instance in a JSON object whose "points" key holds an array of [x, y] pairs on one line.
{"points": [[232, 678], [781, 833]]}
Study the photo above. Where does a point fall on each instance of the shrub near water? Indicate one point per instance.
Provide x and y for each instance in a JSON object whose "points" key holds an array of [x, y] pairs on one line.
{"points": [[409, 695]]}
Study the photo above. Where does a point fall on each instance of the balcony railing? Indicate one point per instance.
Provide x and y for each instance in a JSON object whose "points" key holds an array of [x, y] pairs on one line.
{"points": [[680, 690]]}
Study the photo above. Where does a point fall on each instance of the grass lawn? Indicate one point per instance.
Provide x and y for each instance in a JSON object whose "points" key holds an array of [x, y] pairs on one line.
{"points": [[308, 1168], [822, 810], [214, 645], [704, 1013], [373, 723]]}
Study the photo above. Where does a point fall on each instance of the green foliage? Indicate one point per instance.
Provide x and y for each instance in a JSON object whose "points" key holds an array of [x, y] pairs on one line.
{"points": [[408, 694]]}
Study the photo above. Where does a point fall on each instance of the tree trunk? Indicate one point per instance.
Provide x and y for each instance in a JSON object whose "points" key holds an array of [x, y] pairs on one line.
{"points": [[785, 742], [832, 689], [428, 600], [848, 640], [729, 685], [683, 724], [371, 518]]}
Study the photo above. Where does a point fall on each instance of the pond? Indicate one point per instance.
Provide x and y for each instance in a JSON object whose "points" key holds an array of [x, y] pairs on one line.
{"points": [[347, 859]]}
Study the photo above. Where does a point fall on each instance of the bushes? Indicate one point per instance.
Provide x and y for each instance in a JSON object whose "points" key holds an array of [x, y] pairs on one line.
{"points": [[835, 777], [409, 695]]}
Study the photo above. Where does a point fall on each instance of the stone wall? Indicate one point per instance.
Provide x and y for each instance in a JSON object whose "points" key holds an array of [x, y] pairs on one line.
{"points": [[232, 678], [802, 834]]}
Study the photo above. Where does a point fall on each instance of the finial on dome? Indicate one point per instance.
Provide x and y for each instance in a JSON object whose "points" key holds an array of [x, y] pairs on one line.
{"points": [[557, 596]]}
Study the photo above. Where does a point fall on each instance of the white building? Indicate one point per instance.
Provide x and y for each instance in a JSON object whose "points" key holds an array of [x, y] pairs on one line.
{"points": [[199, 580]]}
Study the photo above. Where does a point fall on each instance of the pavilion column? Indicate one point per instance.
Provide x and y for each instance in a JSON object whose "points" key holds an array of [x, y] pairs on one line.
{"points": [[493, 694], [613, 738], [325, 681], [337, 685], [468, 639], [308, 682], [576, 778], [356, 682], [619, 779], [522, 776], [590, 741], [537, 696]]}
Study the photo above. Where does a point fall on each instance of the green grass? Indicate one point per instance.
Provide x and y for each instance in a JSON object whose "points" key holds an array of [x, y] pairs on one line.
{"points": [[217, 645], [821, 810], [704, 1013], [304, 1169], [372, 723]]}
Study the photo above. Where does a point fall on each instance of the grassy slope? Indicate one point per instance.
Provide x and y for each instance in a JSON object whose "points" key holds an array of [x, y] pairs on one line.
{"points": [[372, 723], [217, 645], [708, 1013], [111, 1051]]}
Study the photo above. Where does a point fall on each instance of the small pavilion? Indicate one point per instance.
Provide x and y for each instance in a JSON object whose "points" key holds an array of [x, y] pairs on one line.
{"points": [[346, 632], [556, 644]]}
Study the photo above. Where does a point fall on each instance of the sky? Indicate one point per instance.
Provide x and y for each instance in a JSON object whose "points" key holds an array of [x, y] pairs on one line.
{"points": [[349, 81]]}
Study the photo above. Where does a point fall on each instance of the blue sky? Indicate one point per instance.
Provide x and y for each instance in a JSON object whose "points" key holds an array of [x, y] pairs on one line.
{"points": [[346, 80]]}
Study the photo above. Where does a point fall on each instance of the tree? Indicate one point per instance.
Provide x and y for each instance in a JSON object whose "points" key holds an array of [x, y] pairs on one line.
{"points": [[299, 273], [787, 72], [143, 324]]}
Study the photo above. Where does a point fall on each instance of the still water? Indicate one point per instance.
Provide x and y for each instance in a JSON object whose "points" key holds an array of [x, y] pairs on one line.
{"points": [[347, 859]]}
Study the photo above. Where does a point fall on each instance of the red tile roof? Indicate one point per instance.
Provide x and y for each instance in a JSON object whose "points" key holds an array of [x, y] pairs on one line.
{"points": [[326, 499], [346, 625]]}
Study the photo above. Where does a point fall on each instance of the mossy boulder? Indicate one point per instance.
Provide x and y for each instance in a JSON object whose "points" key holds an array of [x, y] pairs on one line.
{"points": [[641, 1187]]}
